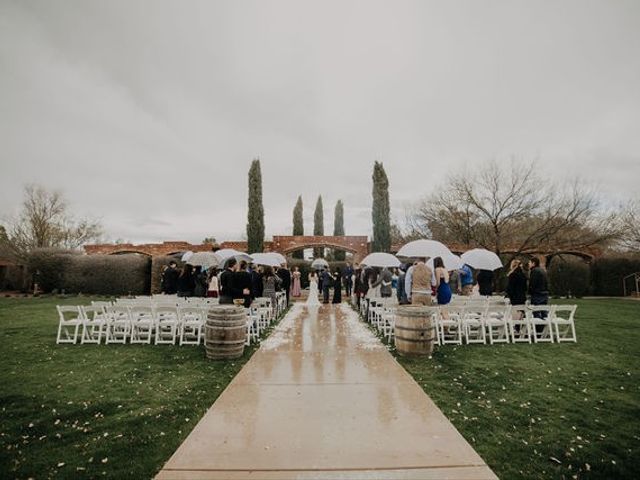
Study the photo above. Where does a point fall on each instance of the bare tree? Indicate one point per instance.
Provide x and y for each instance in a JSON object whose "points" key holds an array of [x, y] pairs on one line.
{"points": [[44, 222], [514, 210], [631, 226]]}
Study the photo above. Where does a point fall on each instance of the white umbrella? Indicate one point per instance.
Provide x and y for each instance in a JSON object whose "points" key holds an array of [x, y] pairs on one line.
{"points": [[319, 263], [227, 253], [380, 259], [205, 259], [265, 259], [451, 262], [482, 259], [278, 256], [424, 249], [186, 256]]}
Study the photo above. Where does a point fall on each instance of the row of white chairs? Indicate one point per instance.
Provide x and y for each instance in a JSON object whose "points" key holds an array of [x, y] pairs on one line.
{"points": [[146, 322], [487, 321]]}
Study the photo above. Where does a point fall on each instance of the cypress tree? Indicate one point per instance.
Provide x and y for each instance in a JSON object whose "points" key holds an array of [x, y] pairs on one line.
{"points": [[318, 226], [255, 216], [338, 227], [298, 225], [380, 211]]}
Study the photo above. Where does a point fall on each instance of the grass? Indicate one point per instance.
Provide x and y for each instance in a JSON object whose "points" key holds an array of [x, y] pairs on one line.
{"points": [[87, 411], [548, 411]]}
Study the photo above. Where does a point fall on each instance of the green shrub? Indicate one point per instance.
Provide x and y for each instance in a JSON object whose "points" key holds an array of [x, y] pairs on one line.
{"points": [[128, 274], [607, 274], [47, 266], [568, 277]]}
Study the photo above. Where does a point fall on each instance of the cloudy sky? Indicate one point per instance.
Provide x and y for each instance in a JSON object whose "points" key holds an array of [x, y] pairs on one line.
{"points": [[147, 114]]}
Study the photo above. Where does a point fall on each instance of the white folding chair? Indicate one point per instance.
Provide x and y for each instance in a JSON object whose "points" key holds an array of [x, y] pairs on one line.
{"points": [[69, 323], [94, 321], [562, 319], [473, 325], [118, 324], [142, 324], [518, 323], [166, 324], [192, 320], [388, 321], [541, 328], [450, 323], [496, 322]]}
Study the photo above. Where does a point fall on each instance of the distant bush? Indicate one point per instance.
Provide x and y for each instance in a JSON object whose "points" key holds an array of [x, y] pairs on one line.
{"points": [[568, 276], [58, 270], [607, 274], [47, 266], [109, 275]]}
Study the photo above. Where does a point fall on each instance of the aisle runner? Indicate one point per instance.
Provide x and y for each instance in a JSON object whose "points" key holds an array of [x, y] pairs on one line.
{"points": [[323, 398]]}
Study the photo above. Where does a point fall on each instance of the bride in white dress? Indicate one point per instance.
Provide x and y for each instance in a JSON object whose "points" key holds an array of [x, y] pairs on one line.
{"points": [[313, 290]]}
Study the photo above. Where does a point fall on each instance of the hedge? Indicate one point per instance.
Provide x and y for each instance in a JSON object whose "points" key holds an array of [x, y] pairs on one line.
{"points": [[56, 270], [607, 274], [568, 277]]}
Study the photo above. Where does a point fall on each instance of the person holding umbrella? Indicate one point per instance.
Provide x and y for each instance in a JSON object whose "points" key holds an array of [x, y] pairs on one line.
{"points": [[337, 286], [285, 276]]}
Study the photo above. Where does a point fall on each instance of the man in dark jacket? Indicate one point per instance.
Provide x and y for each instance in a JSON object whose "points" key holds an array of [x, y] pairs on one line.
{"points": [[538, 288], [326, 284], [348, 281], [256, 281], [242, 284], [285, 276], [171, 279]]}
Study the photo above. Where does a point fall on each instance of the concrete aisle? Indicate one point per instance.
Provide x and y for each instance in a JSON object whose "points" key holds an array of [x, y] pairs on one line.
{"points": [[322, 398]]}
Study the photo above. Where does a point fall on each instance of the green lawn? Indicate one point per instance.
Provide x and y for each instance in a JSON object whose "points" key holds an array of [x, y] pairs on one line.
{"points": [[548, 411], [86, 411]]}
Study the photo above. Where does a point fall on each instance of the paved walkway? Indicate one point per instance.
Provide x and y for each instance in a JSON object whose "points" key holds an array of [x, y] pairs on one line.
{"points": [[322, 398]]}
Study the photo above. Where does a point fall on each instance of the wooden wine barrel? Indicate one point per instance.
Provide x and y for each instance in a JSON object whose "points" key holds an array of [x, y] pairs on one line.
{"points": [[225, 332], [415, 330]]}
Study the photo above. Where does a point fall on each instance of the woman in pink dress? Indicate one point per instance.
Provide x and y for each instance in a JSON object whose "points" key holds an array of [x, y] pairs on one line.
{"points": [[296, 289]]}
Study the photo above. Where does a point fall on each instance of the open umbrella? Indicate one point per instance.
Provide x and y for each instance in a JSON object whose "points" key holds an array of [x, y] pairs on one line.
{"points": [[278, 256], [482, 259], [380, 259], [265, 259], [424, 249], [451, 262], [319, 263], [186, 256], [205, 259], [227, 253]]}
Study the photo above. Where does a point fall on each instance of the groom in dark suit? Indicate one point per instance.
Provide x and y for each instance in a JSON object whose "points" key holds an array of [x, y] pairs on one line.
{"points": [[326, 284]]}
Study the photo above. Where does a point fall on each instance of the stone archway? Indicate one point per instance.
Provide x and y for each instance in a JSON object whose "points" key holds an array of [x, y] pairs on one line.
{"points": [[357, 245]]}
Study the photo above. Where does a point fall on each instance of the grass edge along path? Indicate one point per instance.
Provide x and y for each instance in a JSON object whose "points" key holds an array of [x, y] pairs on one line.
{"points": [[88, 411], [547, 411]]}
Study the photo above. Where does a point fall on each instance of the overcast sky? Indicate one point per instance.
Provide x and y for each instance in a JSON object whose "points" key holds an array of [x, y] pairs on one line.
{"points": [[147, 114]]}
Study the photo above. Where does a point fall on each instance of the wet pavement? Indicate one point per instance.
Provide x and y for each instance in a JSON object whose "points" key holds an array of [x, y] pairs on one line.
{"points": [[323, 398]]}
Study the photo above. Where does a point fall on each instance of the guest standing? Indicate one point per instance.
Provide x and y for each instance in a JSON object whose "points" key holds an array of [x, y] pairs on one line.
{"points": [[200, 281], [242, 284], [443, 289], [465, 280], [285, 276], [186, 281], [384, 282], [337, 286], [213, 289], [347, 276], [421, 282], [516, 284], [171, 275], [256, 281], [227, 284], [296, 289], [270, 283], [485, 282]]}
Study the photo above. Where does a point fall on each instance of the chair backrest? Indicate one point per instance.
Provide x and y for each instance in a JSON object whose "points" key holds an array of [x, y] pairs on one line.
{"points": [[166, 312], [531, 309], [92, 312], [191, 313], [69, 312], [140, 311], [567, 312], [101, 304]]}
